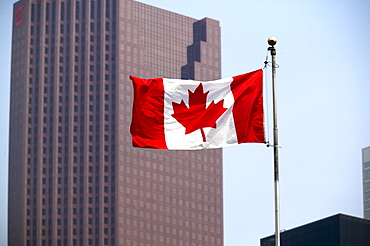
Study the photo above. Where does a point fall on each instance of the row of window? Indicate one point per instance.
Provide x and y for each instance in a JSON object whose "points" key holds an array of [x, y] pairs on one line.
{"points": [[367, 195], [367, 174], [75, 128], [367, 214], [75, 242], [74, 230], [67, 49], [107, 117], [75, 159], [90, 210], [76, 109], [76, 201], [367, 186], [367, 164], [367, 205], [91, 180], [49, 12], [107, 168], [49, 93]]}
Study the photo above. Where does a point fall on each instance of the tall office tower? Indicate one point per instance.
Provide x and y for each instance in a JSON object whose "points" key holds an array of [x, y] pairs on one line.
{"points": [[366, 180], [74, 178]]}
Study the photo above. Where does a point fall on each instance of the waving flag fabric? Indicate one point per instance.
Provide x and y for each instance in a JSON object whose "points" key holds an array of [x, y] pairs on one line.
{"points": [[187, 114]]}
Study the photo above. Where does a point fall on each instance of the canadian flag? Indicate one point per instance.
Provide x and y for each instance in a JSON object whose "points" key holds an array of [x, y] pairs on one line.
{"points": [[187, 114]]}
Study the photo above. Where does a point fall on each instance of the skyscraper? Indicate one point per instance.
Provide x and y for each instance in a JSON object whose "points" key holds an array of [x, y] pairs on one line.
{"points": [[74, 178], [366, 180]]}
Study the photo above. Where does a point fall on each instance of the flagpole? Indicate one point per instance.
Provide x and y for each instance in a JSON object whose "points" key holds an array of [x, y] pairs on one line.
{"points": [[272, 41]]}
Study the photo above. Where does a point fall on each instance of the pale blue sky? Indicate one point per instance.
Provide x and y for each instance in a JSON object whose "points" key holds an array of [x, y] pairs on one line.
{"points": [[323, 108]]}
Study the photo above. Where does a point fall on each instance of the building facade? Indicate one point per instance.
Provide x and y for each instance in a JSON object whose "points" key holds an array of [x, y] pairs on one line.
{"points": [[366, 181], [336, 230], [74, 178]]}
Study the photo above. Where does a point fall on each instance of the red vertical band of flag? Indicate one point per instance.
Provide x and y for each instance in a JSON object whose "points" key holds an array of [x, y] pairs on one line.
{"points": [[147, 126], [248, 107]]}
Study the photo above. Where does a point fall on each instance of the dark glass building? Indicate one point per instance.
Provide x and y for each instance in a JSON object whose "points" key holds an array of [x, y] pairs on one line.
{"points": [[337, 230], [74, 178]]}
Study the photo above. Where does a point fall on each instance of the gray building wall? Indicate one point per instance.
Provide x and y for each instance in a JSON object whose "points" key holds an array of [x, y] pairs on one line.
{"points": [[366, 180]]}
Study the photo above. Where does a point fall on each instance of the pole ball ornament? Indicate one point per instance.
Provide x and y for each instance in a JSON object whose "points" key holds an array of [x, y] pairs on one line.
{"points": [[272, 41]]}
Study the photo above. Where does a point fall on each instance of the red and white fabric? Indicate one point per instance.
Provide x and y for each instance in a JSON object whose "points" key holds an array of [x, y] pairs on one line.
{"points": [[187, 114]]}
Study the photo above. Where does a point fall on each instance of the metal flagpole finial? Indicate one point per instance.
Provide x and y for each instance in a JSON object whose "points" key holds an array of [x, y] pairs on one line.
{"points": [[272, 41]]}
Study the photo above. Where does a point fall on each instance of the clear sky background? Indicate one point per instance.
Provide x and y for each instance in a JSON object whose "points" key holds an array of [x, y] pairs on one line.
{"points": [[323, 87]]}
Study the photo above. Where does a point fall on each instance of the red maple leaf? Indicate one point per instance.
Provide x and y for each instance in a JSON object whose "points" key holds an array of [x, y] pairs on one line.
{"points": [[197, 116]]}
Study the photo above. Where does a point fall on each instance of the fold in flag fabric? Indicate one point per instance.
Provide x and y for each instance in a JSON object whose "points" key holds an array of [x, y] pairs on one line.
{"points": [[186, 114]]}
